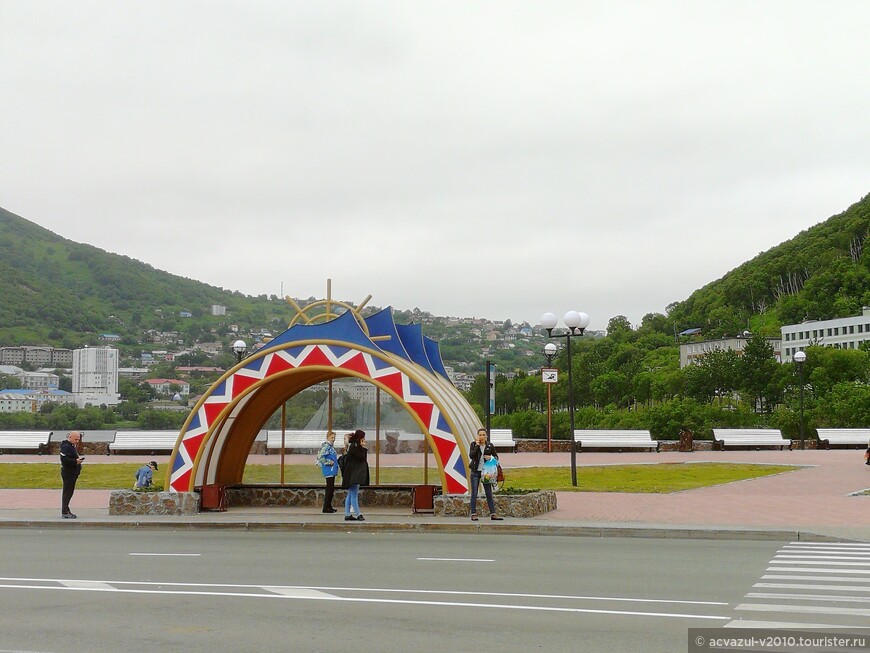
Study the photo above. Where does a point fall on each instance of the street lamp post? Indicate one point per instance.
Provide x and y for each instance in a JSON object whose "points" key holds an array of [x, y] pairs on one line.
{"points": [[576, 324], [240, 348], [800, 358], [550, 376]]}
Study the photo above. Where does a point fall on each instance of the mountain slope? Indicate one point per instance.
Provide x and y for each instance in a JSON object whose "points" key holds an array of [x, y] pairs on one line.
{"points": [[822, 273], [51, 285]]}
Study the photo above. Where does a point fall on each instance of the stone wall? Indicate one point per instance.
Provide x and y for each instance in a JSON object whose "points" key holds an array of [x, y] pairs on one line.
{"points": [[312, 496], [506, 505], [85, 448], [129, 502]]}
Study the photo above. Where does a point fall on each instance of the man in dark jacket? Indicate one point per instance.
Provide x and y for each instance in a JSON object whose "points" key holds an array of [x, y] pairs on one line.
{"points": [[70, 468]]}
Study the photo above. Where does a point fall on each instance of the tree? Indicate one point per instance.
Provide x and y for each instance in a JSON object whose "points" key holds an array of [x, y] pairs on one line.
{"points": [[758, 373]]}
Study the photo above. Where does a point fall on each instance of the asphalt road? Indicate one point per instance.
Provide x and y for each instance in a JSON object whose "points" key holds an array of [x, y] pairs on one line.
{"points": [[119, 590]]}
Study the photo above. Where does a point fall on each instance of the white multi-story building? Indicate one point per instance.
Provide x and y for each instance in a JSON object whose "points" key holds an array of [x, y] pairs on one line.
{"points": [[690, 352], [842, 333], [95, 376], [361, 391], [29, 401], [38, 380]]}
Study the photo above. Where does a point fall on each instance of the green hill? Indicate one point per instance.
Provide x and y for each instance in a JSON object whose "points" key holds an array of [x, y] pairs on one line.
{"points": [[58, 291], [822, 273]]}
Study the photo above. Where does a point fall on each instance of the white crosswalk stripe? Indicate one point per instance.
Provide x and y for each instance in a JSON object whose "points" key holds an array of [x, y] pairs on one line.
{"points": [[806, 582]]}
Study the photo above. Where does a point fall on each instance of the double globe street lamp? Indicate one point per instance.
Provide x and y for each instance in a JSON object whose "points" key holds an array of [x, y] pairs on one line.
{"points": [[576, 324]]}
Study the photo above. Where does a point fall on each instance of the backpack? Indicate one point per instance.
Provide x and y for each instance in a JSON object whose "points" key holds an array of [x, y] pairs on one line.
{"points": [[342, 461]]}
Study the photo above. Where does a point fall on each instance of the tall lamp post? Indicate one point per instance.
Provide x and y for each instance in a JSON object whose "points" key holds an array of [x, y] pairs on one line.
{"points": [[800, 358], [549, 376], [576, 324], [240, 348]]}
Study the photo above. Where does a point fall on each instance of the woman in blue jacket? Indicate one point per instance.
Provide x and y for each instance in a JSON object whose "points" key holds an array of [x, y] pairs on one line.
{"points": [[327, 460]]}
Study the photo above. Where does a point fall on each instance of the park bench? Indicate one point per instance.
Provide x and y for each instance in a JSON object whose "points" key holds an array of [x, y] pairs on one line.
{"points": [[614, 439], [145, 441], [24, 440], [846, 437], [503, 439], [300, 441], [749, 438]]}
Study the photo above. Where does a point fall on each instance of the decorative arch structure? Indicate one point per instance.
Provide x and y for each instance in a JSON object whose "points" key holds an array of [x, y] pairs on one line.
{"points": [[215, 440]]}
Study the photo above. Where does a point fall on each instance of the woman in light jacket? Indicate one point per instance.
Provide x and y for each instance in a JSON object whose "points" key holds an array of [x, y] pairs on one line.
{"points": [[327, 460], [354, 473]]}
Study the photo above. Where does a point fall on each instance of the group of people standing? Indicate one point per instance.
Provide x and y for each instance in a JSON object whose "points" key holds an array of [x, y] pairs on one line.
{"points": [[354, 469], [352, 465]]}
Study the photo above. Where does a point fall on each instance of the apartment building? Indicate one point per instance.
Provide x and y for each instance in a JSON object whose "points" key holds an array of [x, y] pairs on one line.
{"points": [[95, 376], [842, 333], [37, 356], [690, 352]]}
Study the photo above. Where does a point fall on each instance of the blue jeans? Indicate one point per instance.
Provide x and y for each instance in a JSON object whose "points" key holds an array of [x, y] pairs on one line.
{"points": [[352, 500], [487, 488]]}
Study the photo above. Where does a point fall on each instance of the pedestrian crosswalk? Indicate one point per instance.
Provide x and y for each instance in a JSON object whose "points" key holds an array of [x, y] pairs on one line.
{"points": [[810, 585]]}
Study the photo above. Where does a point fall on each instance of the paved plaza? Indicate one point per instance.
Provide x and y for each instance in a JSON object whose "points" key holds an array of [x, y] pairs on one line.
{"points": [[817, 501]]}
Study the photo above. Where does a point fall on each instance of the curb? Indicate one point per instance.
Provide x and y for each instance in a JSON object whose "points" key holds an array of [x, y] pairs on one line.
{"points": [[597, 531]]}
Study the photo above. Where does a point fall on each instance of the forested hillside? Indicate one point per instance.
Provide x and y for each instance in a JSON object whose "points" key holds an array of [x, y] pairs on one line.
{"points": [[55, 290], [822, 273]]}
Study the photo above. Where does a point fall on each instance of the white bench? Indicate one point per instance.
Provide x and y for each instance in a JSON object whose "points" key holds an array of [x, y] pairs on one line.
{"points": [[844, 436], [297, 441], [749, 438], [614, 439], [503, 438], [150, 441], [30, 440]]}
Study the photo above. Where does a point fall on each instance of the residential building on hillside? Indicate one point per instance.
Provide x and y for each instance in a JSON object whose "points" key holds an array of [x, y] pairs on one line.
{"points": [[29, 401], [690, 352], [38, 380], [134, 374], [842, 333], [38, 356], [361, 391], [169, 386], [95, 376], [217, 309]]}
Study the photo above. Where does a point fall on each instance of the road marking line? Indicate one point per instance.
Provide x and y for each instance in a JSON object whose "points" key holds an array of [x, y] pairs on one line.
{"points": [[803, 609], [801, 586], [181, 555], [822, 556], [327, 597], [314, 594], [297, 593], [385, 590], [815, 577], [740, 623], [828, 545], [823, 570], [830, 598], [87, 585], [824, 562], [458, 559]]}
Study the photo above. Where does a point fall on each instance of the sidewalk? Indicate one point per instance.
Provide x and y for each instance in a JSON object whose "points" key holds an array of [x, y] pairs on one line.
{"points": [[811, 503]]}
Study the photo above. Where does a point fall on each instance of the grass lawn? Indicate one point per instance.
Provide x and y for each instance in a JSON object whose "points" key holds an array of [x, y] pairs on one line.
{"points": [[655, 478]]}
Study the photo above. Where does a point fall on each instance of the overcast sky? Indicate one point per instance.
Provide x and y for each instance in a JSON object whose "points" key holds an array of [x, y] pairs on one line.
{"points": [[492, 159]]}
